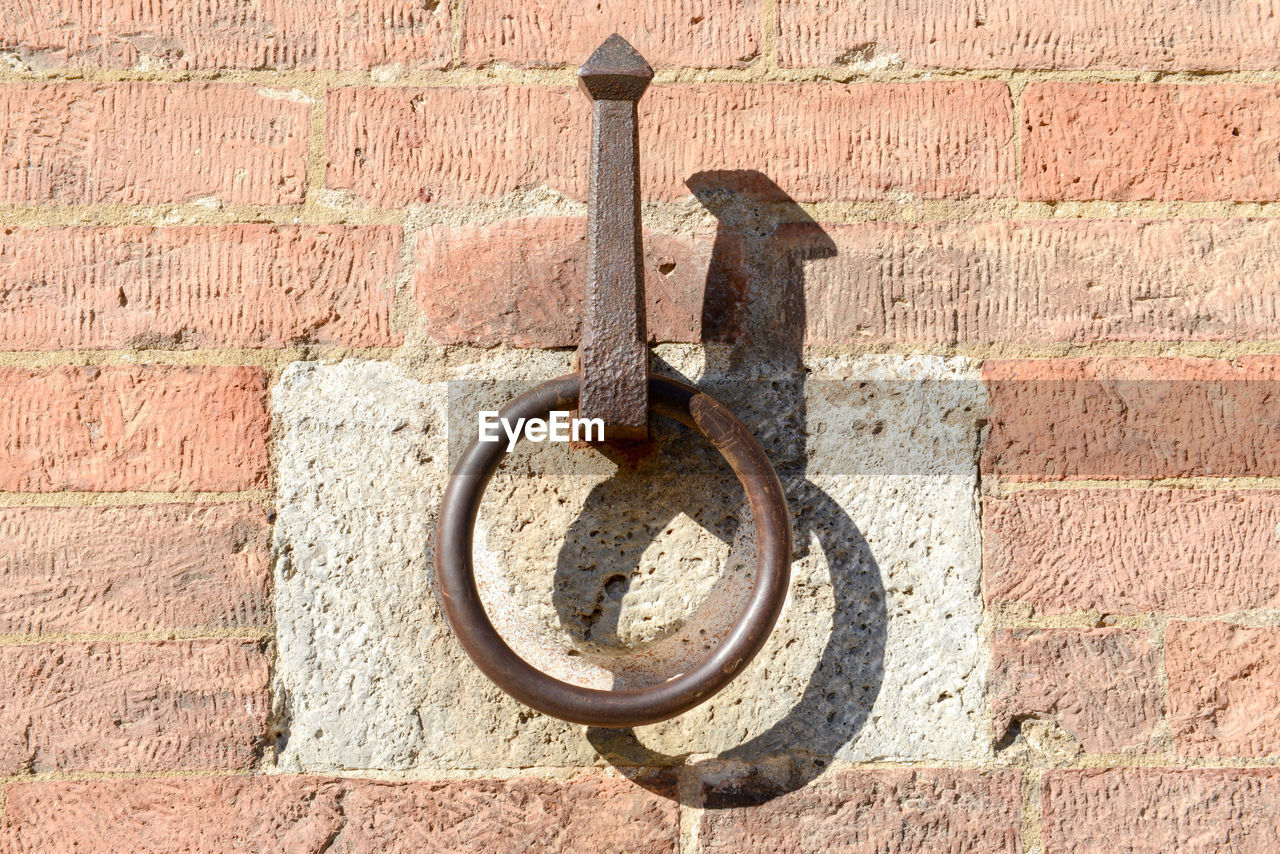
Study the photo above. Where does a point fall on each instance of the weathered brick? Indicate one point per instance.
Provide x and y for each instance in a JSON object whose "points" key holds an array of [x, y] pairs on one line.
{"points": [[1125, 551], [308, 815], [900, 810], [521, 282], [1127, 141], [693, 33], [201, 815], [1110, 417], [584, 814], [1044, 281], [106, 429], [1224, 689], [227, 34], [149, 143], [228, 286], [1194, 810], [128, 569], [1101, 685], [1151, 34], [132, 706], [818, 142]]}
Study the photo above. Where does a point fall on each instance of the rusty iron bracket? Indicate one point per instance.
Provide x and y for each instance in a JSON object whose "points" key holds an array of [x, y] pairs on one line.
{"points": [[615, 386], [614, 354]]}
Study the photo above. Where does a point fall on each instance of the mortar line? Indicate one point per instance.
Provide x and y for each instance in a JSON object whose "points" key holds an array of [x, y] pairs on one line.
{"points": [[269, 758], [1032, 810], [569, 772], [459, 76], [87, 776], [265, 358], [1221, 350], [130, 498], [259, 633], [689, 803], [317, 162], [316, 211], [986, 625], [274, 357], [156, 215], [987, 763], [1134, 619], [1006, 488], [180, 215], [768, 64]]}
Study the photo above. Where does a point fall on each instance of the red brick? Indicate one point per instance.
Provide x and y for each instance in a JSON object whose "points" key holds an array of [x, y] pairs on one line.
{"points": [[149, 143], [818, 142], [1126, 551], [1161, 809], [585, 814], [203, 815], [229, 34], [1100, 685], [106, 429], [1151, 34], [1128, 141], [689, 33], [520, 282], [129, 569], [1044, 281], [226, 286], [899, 810], [1108, 417], [133, 706], [1224, 689], [309, 815]]}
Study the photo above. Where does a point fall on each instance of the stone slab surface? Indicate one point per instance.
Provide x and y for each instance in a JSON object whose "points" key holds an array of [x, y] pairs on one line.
{"points": [[603, 572]]}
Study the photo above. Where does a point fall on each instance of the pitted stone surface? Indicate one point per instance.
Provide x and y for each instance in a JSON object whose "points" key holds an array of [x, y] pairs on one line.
{"points": [[876, 656]]}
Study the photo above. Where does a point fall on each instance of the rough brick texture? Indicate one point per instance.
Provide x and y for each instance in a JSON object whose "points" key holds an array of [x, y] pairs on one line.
{"points": [[132, 706], [128, 569], [1126, 551], [227, 34], [1224, 689], [1197, 811], [818, 142], [1044, 281], [1148, 34], [149, 143], [1132, 418], [309, 815], [587, 814], [121, 427], [1101, 685], [907, 810], [230, 286], [1126, 141], [697, 33], [521, 282]]}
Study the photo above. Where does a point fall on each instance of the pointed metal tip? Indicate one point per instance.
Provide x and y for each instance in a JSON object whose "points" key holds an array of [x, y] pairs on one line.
{"points": [[615, 71]]}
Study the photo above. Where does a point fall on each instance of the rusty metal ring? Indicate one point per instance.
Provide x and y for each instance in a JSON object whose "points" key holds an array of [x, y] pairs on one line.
{"points": [[455, 577]]}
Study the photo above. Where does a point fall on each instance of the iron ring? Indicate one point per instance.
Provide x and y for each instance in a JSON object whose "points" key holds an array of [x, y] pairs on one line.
{"points": [[460, 597]]}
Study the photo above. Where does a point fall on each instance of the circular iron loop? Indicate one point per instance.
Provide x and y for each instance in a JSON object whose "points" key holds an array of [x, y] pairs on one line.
{"points": [[455, 577]]}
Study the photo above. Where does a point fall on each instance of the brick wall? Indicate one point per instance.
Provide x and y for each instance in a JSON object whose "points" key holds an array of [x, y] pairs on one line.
{"points": [[244, 245]]}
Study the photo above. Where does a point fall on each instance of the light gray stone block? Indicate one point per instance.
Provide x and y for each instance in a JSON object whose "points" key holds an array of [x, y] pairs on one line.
{"points": [[877, 655]]}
